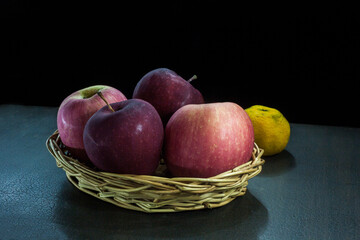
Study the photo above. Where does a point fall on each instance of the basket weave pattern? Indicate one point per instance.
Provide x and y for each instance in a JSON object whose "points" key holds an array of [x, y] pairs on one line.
{"points": [[157, 193]]}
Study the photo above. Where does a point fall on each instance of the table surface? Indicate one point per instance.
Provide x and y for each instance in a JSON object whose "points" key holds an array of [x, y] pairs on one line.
{"points": [[309, 191]]}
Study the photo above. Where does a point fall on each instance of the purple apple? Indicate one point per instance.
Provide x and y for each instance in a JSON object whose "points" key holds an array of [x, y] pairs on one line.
{"points": [[204, 140], [166, 91], [75, 111], [127, 140]]}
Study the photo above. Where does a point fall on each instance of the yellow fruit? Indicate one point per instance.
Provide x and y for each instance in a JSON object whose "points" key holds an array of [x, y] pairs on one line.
{"points": [[271, 129]]}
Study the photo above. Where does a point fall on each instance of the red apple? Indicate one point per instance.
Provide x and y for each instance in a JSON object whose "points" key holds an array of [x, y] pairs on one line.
{"points": [[76, 110], [203, 140], [166, 91], [128, 140]]}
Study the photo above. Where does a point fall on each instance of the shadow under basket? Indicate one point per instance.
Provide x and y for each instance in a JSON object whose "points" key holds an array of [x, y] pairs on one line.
{"points": [[156, 193]]}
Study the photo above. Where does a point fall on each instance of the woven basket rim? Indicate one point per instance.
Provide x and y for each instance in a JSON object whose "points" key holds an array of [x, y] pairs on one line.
{"points": [[154, 193]]}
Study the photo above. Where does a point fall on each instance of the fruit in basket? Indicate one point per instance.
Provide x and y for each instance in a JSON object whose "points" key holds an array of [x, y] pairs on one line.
{"points": [[126, 140], [203, 140], [166, 91], [272, 130], [75, 111]]}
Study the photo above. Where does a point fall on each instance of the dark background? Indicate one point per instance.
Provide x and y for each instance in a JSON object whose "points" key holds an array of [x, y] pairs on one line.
{"points": [[304, 63]]}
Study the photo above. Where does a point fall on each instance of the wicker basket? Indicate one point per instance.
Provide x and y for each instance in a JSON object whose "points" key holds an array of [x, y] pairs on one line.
{"points": [[156, 193]]}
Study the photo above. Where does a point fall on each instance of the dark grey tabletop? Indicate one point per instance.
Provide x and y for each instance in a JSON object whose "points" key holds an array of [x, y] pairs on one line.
{"points": [[309, 191]]}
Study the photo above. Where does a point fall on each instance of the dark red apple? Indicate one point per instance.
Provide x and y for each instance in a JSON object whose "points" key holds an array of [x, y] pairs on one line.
{"points": [[166, 91], [203, 140], [128, 140], [75, 111]]}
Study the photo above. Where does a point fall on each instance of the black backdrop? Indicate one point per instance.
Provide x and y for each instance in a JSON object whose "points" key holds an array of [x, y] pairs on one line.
{"points": [[303, 63]]}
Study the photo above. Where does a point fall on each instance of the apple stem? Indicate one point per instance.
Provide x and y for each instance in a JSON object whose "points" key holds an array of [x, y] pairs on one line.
{"points": [[192, 78], [103, 98]]}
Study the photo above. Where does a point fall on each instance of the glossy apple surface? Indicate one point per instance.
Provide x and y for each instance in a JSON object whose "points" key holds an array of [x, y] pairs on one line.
{"points": [[166, 91], [128, 140], [203, 140], [75, 111]]}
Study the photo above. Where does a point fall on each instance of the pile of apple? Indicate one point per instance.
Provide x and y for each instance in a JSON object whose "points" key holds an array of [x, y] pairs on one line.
{"points": [[166, 118]]}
